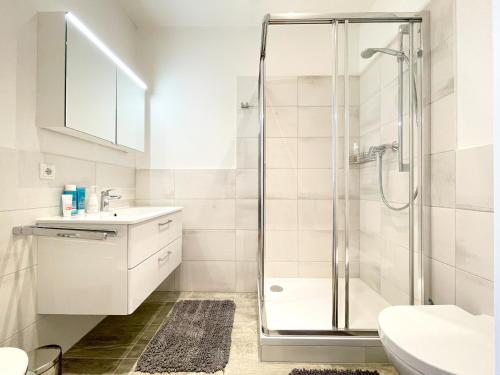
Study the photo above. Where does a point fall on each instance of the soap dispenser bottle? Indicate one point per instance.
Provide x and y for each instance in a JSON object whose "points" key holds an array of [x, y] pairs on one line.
{"points": [[92, 201]]}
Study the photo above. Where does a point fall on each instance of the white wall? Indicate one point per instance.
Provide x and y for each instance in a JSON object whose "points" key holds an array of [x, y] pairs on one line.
{"points": [[23, 146], [194, 72]]}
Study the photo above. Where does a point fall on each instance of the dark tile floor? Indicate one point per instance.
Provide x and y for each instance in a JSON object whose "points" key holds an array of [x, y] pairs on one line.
{"points": [[114, 345]]}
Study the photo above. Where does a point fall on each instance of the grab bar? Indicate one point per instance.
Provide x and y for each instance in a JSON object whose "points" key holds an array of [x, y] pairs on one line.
{"points": [[78, 233]]}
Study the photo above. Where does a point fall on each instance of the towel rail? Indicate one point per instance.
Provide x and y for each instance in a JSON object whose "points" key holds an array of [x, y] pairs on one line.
{"points": [[77, 233]]}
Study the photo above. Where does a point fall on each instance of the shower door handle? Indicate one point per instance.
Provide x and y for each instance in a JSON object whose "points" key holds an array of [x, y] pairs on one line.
{"points": [[401, 164]]}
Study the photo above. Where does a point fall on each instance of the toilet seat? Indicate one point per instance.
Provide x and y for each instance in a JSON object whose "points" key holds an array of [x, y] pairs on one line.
{"points": [[13, 361], [439, 340]]}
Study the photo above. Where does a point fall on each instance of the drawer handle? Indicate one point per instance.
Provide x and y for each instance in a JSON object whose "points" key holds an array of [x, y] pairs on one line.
{"points": [[165, 223], [68, 235], [162, 259]]}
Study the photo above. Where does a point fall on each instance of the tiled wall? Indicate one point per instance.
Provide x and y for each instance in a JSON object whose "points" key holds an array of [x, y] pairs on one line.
{"points": [[458, 206], [384, 233], [220, 222], [25, 198], [299, 177], [220, 225], [461, 163]]}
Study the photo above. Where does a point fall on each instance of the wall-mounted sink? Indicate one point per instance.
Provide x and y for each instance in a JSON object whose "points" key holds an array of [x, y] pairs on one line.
{"points": [[127, 215]]}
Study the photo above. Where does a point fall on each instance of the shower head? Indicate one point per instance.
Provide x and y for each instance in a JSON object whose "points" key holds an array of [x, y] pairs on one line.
{"points": [[369, 52]]}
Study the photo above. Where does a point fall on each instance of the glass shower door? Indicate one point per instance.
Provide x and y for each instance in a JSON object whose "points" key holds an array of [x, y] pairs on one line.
{"points": [[340, 146]]}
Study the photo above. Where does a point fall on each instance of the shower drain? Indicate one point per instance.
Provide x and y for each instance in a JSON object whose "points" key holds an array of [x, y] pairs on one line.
{"points": [[276, 288]]}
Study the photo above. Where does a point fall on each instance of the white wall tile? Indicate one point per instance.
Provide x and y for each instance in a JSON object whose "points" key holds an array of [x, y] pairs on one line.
{"points": [[246, 213], [19, 252], [281, 92], [208, 245], [246, 280], [315, 91], [108, 175], [369, 114], [475, 178], [473, 293], [247, 183], [315, 246], [314, 153], [474, 242], [315, 183], [281, 269], [281, 122], [443, 70], [442, 235], [84, 172], [247, 122], [208, 276], [316, 269], [17, 301], [208, 184], [315, 121], [281, 246], [442, 23], [246, 245], [442, 191], [208, 214], [247, 153], [281, 214], [474, 58], [443, 124], [442, 283], [281, 153], [154, 184], [281, 184], [315, 214]]}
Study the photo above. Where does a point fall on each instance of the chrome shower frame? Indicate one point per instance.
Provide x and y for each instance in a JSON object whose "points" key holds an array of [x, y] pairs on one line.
{"points": [[362, 337]]}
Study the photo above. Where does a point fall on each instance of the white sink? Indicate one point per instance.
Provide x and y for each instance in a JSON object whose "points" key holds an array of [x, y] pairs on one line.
{"points": [[126, 215]]}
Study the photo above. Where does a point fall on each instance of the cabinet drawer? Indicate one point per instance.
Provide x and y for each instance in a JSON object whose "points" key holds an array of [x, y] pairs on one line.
{"points": [[145, 278], [147, 238]]}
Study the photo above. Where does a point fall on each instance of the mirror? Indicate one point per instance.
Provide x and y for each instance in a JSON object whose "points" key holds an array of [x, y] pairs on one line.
{"points": [[129, 112], [90, 87]]}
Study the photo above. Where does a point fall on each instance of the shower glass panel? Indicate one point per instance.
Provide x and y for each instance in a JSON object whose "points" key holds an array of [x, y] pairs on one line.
{"points": [[340, 146], [298, 178]]}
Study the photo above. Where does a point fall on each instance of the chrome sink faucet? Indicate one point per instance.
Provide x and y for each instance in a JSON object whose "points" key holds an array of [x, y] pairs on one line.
{"points": [[106, 196]]}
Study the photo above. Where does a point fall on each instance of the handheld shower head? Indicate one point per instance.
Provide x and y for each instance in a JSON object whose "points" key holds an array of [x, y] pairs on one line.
{"points": [[369, 52]]}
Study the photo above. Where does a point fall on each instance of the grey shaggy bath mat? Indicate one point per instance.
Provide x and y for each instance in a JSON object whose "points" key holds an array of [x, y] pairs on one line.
{"points": [[298, 371], [195, 338]]}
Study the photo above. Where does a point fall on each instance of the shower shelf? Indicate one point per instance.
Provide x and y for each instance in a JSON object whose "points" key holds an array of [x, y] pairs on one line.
{"points": [[362, 158]]}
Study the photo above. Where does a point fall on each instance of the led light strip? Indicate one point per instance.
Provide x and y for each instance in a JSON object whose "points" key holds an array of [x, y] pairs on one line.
{"points": [[70, 17]]}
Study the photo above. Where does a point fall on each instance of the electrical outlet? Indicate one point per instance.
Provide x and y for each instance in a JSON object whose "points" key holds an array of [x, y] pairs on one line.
{"points": [[47, 171]]}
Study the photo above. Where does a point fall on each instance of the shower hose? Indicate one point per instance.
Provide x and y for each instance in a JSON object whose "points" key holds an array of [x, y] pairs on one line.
{"points": [[380, 155]]}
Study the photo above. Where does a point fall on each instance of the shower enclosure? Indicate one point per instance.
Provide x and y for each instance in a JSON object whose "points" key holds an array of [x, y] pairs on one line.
{"points": [[342, 180]]}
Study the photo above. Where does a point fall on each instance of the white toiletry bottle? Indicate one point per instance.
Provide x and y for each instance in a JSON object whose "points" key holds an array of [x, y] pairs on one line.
{"points": [[92, 201], [67, 204]]}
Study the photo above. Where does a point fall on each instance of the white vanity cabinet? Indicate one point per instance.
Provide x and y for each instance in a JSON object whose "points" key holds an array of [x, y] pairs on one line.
{"points": [[111, 276], [83, 88]]}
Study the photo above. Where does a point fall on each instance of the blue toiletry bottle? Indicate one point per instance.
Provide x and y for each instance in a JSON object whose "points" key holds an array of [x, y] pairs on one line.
{"points": [[80, 200], [71, 189]]}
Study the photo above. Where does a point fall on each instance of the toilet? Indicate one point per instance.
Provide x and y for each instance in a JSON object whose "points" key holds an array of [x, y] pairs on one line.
{"points": [[437, 340], [13, 361]]}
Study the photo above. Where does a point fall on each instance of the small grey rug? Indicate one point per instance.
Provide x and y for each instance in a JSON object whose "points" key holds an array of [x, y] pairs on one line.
{"points": [[195, 338], [298, 371]]}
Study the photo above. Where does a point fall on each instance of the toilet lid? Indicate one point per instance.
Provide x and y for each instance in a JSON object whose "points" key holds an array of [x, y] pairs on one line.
{"points": [[13, 361], [439, 339]]}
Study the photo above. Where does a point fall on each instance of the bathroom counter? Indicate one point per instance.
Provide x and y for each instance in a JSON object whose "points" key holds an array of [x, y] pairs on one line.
{"points": [[124, 216]]}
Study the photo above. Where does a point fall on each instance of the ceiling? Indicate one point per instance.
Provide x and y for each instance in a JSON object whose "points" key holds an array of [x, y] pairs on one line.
{"points": [[227, 13]]}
